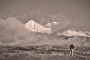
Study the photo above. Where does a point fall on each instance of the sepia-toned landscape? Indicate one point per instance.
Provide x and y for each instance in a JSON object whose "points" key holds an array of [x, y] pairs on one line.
{"points": [[44, 29]]}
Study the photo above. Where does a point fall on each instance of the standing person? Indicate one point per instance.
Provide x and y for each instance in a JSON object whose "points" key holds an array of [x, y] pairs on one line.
{"points": [[71, 49]]}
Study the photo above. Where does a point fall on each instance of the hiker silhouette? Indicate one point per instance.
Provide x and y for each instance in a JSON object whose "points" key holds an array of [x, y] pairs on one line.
{"points": [[71, 49]]}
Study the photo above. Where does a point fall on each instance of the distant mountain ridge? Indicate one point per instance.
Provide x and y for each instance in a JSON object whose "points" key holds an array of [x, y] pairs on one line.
{"points": [[73, 33]]}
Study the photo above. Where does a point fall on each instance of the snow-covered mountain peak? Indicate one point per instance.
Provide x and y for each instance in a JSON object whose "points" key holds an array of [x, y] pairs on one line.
{"points": [[49, 25], [31, 23], [55, 22], [33, 26], [73, 32]]}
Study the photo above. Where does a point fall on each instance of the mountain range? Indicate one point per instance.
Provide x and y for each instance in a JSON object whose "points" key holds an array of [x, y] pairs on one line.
{"points": [[33, 26], [78, 37]]}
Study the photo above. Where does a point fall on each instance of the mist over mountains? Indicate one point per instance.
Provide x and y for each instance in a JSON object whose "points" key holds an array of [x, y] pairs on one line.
{"points": [[13, 32]]}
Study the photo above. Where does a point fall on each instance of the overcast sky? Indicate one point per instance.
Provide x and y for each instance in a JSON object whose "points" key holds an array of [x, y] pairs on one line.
{"points": [[74, 12]]}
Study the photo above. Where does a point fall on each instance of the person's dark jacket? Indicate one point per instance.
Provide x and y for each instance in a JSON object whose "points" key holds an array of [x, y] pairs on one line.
{"points": [[71, 46]]}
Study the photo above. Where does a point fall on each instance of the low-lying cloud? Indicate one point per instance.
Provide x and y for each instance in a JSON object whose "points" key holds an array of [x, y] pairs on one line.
{"points": [[13, 32]]}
